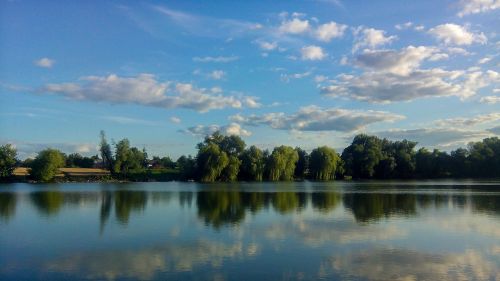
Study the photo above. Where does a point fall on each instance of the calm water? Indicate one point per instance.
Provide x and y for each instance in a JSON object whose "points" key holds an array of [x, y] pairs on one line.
{"points": [[287, 231]]}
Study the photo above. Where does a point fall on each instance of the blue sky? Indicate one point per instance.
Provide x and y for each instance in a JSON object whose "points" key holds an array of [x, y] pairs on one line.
{"points": [[302, 73]]}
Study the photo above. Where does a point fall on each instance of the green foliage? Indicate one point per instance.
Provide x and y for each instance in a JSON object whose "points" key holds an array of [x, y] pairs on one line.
{"points": [[7, 160], [128, 159], [187, 168], [362, 156], [281, 163], [302, 164], [252, 166], [211, 162], [217, 158], [323, 163], [79, 161], [46, 165], [106, 154], [230, 172], [48, 202]]}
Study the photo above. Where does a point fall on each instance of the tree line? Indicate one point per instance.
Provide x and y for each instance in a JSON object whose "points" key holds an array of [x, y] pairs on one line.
{"points": [[227, 158]]}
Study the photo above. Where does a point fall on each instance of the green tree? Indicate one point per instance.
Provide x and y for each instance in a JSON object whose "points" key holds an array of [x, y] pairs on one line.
{"points": [[323, 163], [362, 156], [211, 162], [281, 163], [187, 168], [128, 159], [7, 160], [230, 172], [252, 164], [46, 164], [106, 154], [77, 160], [302, 164]]}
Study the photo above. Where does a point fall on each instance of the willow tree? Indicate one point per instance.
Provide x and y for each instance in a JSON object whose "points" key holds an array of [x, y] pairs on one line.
{"points": [[252, 164], [281, 163], [323, 163], [211, 162]]}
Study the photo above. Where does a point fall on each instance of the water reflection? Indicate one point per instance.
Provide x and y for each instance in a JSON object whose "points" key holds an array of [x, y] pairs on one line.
{"points": [[219, 208], [7, 205], [374, 206], [291, 233]]}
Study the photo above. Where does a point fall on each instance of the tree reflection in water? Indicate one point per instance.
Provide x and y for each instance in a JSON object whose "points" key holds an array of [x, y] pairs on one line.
{"points": [[220, 208], [8, 202]]}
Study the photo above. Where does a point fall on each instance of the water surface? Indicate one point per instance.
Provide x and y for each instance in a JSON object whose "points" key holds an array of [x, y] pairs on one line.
{"points": [[433, 230]]}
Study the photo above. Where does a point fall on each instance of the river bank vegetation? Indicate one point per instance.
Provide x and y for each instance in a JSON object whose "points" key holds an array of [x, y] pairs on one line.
{"points": [[227, 158]]}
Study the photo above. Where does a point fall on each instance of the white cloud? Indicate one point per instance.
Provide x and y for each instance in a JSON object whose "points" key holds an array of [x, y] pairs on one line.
{"points": [[477, 6], [381, 87], [484, 60], [328, 31], [145, 89], [268, 46], [313, 118], [286, 77], [129, 121], [396, 62], [175, 120], [436, 137], [294, 26], [216, 59], [217, 74], [454, 34], [490, 99], [45, 62], [405, 25], [461, 122], [312, 53], [370, 37], [419, 27], [231, 129]]}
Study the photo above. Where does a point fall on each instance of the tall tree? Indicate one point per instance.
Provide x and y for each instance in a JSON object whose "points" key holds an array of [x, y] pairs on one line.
{"points": [[323, 163], [211, 162], [252, 164], [106, 154], [302, 164], [281, 163], [8, 160]]}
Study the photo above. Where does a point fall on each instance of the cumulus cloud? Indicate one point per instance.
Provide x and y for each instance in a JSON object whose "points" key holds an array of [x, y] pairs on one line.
{"points": [[314, 118], [436, 137], [328, 31], [231, 129], [146, 90], [45, 62], [477, 6], [385, 87], [294, 26], [216, 59], [370, 37], [397, 62], [312, 53], [454, 34]]}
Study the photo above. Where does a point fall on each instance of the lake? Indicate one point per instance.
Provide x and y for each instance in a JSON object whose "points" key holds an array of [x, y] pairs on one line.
{"points": [[421, 230]]}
